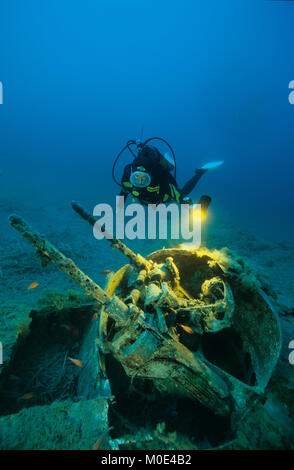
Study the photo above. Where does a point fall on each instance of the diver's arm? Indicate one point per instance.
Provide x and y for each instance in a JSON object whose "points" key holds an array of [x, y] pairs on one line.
{"points": [[190, 185]]}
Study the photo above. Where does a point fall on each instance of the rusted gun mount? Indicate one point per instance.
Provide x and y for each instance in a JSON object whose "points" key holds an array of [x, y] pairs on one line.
{"points": [[142, 340], [157, 287]]}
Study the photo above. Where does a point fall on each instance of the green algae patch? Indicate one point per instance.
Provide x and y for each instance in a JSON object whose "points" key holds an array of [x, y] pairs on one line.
{"points": [[53, 298], [39, 367], [14, 327], [60, 426]]}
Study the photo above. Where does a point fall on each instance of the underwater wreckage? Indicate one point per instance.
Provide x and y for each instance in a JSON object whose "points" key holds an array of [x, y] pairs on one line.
{"points": [[178, 322]]}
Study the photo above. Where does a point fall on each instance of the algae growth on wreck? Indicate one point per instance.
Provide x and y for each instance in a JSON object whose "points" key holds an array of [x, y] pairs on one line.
{"points": [[175, 338]]}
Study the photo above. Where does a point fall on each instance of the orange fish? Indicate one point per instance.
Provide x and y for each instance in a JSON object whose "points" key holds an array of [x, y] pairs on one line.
{"points": [[33, 285], [95, 316], [77, 362], [105, 272], [101, 364], [27, 396], [187, 329], [135, 316], [88, 293], [98, 443]]}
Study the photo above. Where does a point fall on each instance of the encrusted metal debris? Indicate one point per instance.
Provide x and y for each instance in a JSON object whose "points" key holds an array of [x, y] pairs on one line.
{"points": [[159, 313]]}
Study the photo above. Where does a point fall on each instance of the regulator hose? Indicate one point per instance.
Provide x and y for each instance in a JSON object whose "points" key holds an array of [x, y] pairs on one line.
{"points": [[133, 142]]}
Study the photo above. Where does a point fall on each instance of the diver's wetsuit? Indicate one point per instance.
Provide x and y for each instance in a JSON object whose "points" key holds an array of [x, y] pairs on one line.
{"points": [[163, 187]]}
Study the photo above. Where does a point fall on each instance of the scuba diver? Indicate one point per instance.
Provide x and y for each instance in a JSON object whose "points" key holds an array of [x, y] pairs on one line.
{"points": [[149, 177]]}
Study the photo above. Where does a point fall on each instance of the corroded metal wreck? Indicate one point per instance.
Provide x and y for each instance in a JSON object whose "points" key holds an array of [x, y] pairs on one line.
{"points": [[181, 320]]}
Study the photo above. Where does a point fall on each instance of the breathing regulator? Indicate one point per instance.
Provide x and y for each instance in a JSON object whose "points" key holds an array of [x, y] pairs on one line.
{"points": [[141, 178]]}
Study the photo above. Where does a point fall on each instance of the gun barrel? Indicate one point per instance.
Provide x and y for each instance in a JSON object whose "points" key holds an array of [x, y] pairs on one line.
{"points": [[49, 253], [136, 259]]}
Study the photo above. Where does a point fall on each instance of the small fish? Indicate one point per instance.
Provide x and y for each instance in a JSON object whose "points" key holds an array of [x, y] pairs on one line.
{"points": [[88, 293], [174, 330], [95, 316], [77, 362], [135, 316], [187, 329], [33, 285], [101, 364], [27, 396], [98, 443], [107, 271]]}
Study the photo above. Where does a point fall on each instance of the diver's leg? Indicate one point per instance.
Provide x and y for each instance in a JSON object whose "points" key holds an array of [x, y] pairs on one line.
{"points": [[190, 185]]}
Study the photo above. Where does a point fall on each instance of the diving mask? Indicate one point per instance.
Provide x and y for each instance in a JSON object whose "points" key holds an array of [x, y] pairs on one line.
{"points": [[140, 179]]}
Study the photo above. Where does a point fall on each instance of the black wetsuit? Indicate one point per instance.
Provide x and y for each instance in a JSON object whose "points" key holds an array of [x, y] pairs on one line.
{"points": [[163, 187]]}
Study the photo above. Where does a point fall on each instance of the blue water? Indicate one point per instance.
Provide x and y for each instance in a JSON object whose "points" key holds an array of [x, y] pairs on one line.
{"points": [[81, 78]]}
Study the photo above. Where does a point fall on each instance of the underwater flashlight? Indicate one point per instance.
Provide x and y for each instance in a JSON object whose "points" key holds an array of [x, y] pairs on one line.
{"points": [[204, 201]]}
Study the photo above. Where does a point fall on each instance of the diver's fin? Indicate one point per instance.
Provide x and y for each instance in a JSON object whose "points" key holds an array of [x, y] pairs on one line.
{"points": [[211, 165]]}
